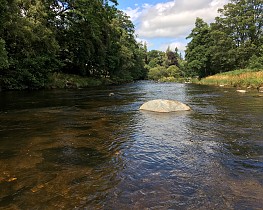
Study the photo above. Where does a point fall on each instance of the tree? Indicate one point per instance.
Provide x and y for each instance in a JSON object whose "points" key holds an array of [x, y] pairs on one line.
{"points": [[197, 52], [171, 57], [222, 49], [126, 56], [228, 43], [30, 44], [91, 38], [242, 21], [155, 58]]}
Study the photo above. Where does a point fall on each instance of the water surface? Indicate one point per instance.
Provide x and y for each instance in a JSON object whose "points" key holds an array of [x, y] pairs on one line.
{"points": [[81, 149]]}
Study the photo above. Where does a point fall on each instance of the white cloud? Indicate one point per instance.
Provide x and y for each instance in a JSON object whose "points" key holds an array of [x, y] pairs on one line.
{"points": [[174, 18], [180, 45], [134, 14]]}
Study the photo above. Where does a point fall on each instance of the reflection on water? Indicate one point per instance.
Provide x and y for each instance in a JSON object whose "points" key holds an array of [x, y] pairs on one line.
{"points": [[77, 149]]}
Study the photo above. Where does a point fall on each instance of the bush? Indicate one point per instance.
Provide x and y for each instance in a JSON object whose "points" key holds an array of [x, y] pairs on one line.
{"points": [[168, 79], [173, 71], [157, 73]]}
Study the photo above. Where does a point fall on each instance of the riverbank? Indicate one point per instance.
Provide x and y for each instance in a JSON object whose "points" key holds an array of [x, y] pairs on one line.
{"points": [[71, 81], [59, 81], [239, 78]]}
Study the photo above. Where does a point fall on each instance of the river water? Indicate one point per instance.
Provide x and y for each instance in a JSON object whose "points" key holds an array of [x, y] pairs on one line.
{"points": [[84, 149]]}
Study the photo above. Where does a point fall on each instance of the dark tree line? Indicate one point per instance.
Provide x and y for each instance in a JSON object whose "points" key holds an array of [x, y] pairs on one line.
{"points": [[86, 37], [233, 41]]}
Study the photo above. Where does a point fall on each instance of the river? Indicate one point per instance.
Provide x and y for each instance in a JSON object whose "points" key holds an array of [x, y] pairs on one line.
{"points": [[84, 149]]}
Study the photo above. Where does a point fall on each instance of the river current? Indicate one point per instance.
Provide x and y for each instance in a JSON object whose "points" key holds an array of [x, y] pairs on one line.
{"points": [[84, 149]]}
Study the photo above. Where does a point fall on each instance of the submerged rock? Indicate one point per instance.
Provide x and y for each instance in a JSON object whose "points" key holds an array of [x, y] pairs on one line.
{"points": [[161, 105]]}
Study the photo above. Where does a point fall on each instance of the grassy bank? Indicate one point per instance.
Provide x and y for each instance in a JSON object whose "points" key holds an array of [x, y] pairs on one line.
{"points": [[59, 80], [237, 78]]}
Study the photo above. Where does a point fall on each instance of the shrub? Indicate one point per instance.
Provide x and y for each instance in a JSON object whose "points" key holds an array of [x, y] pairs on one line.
{"points": [[157, 72]]}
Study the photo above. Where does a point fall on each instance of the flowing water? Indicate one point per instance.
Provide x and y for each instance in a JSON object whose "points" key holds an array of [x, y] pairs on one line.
{"points": [[84, 149]]}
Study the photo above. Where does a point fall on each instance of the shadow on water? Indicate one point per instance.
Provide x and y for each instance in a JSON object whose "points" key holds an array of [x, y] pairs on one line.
{"points": [[6, 154], [77, 149]]}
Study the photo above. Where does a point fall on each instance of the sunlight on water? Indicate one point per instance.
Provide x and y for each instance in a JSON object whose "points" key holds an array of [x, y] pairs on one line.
{"points": [[77, 149]]}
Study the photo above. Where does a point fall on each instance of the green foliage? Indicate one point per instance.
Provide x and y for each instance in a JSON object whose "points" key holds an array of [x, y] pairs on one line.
{"points": [[154, 63], [196, 52], [157, 72], [256, 62], [87, 38], [233, 41], [164, 66], [155, 58], [162, 73], [30, 44], [173, 71], [3, 55]]}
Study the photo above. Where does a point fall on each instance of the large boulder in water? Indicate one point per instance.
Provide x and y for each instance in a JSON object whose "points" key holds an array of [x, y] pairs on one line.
{"points": [[161, 105]]}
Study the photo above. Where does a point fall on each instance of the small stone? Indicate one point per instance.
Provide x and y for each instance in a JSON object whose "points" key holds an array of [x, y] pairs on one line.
{"points": [[241, 91], [260, 89]]}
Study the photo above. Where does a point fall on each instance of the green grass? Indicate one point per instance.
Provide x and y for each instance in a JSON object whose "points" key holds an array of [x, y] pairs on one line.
{"points": [[237, 78]]}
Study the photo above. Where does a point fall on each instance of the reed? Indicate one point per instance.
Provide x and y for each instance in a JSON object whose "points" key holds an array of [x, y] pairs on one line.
{"points": [[237, 78]]}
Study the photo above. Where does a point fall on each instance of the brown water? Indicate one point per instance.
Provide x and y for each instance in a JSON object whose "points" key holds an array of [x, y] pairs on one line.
{"points": [[81, 149]]}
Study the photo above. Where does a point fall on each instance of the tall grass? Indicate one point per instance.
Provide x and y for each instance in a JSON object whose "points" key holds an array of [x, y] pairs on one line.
{"points": [[237, 78]]}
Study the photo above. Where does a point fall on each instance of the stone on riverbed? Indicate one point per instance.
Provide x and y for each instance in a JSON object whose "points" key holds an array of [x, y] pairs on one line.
{"points": [[260, 89], [161, 105], [241, 91]]}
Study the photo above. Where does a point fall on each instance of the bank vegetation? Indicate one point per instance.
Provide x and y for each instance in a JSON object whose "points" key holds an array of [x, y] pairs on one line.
{"points": [[239, 78]]}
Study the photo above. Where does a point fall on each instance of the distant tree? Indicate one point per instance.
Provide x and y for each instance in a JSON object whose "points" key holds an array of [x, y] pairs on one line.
{"points": [[171, 58]]}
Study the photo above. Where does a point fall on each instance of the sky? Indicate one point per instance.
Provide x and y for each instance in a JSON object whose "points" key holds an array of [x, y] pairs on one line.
{"points": [[163, 23]]}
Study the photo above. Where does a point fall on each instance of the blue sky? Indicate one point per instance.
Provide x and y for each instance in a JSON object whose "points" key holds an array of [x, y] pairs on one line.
{"points": [[163, 23]]}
